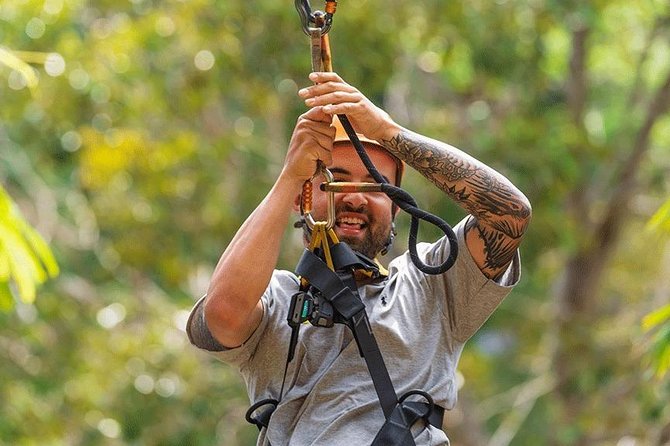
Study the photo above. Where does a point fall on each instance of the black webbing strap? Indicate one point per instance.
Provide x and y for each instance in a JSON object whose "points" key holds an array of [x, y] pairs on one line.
{"points": [[400, 414], [340, 289], [415, 409], [396, 431], [329, 284]]}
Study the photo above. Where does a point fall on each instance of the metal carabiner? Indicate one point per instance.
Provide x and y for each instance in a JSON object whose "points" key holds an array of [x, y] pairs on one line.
{"points": [[306, 201], [309, 18]]}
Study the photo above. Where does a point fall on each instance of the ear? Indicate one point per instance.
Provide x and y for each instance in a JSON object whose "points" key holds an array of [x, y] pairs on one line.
{"points": [[394, 211]]}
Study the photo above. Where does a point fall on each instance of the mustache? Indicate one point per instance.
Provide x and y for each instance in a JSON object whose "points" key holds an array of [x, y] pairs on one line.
{"points": [[346, 207]]}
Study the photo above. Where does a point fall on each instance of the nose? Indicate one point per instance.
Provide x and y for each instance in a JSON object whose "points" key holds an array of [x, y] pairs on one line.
{"points": [[355, 199]]}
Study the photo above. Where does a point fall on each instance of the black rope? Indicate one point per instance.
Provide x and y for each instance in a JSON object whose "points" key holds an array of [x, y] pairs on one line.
{"points": [[407, 203]]}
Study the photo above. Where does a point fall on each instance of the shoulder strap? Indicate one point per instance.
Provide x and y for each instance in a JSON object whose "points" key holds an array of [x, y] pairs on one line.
{"points": [[340, 290]]}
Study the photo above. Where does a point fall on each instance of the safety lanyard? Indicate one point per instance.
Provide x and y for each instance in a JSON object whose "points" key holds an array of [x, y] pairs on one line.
{"points": [[316, 25]]}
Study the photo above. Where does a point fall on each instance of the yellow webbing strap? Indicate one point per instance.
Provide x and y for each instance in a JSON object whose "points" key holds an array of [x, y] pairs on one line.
{"points": [[322, 238]]}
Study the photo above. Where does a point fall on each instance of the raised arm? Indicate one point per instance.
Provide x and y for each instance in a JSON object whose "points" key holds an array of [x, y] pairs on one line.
{"points": [[232, 306], [500, 212]]}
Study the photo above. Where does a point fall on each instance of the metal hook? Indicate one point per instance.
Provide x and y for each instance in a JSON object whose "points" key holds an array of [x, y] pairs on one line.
{"points": [[307, 210]]}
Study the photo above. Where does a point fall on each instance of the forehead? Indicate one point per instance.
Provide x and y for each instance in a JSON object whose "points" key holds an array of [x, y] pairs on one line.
{"points": [[345, 157]]}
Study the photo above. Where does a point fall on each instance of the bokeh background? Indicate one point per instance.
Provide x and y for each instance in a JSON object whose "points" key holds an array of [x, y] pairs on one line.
{"points": [[136, 135]]}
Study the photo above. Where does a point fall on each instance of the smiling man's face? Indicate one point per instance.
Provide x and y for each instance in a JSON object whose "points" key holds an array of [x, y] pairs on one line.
{"points": [[363, 220]]}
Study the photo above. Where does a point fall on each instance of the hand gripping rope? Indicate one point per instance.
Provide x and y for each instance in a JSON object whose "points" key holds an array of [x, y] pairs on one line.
{"points": [[316, 25], [328, 292]]}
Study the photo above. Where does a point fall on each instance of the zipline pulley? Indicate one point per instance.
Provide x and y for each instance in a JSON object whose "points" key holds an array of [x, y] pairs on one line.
{"points": [[320, 19]]}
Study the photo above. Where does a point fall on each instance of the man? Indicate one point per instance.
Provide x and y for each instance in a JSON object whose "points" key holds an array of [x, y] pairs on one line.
{"points": [[329, 398]]}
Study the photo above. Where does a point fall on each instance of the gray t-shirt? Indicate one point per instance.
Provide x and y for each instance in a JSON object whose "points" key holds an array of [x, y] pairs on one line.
{"points": [[329, 398]]}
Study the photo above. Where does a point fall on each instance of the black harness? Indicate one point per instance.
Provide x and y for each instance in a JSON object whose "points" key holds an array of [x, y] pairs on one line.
{"points": [[331, 297]]}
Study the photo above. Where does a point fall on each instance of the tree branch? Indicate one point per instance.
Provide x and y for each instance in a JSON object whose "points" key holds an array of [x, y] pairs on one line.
{"points": [[524, 402], [636, 91], [609, 226], [576, 90], [576, 87]]}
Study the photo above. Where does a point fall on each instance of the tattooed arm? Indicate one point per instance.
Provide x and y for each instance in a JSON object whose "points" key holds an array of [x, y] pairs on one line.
{"points": [[500, 211]]}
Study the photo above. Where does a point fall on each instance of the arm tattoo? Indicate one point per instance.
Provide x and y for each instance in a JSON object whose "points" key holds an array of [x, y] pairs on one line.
{"points": [[501, 211], [499, 249]]}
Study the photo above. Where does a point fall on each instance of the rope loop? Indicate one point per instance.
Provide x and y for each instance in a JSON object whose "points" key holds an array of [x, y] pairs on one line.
{"points": [[407, 203]]}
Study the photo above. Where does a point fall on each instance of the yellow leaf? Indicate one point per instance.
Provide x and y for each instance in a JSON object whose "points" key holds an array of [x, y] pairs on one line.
{"points": [[40, 249], [6, 299], [656, 317], [660, 221], [9, 59], [4, 263], [663, 363], [25, 258]]}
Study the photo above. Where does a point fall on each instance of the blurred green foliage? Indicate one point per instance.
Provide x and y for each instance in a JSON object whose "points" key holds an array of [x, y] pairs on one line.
{"points": [[658, 321], [145, 132], [25, 258]]}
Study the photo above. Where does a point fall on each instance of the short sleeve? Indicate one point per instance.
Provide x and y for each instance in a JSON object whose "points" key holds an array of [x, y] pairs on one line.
{"points": [[201, 337], [474, 296]]}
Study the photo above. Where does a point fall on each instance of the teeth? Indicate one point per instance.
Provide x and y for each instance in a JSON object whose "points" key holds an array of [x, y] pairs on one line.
{"points": [[351, 221]]}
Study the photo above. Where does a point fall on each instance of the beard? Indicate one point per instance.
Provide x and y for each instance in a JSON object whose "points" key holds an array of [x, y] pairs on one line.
{"points": [[375, 237], [371, 244]]}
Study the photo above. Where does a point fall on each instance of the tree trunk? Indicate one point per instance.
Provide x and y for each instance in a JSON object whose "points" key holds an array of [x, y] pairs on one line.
{"points": [[577, 291]]}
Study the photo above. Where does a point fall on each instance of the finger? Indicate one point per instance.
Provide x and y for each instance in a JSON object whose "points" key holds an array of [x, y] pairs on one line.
{"points": [[337, 97], [320, 148], [317, 123], [324, 88], [323, 149], [345, 108], [316, 114], [325, 76], [327, 132]]}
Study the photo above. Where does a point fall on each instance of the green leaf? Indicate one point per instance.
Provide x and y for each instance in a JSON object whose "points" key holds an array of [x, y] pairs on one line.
{"points": [[656, 317], [660, 352], [660, 221], [6, 298], [25, 258], [4, 264], [40, 249]]}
